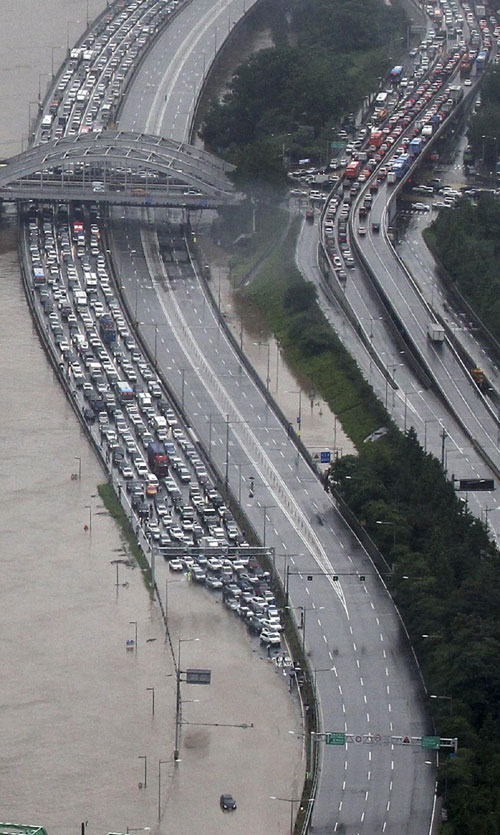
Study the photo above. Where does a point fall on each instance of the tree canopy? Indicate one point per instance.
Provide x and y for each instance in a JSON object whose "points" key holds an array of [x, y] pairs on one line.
{"points": [[283, 98], [467, 242], [446, 583]]}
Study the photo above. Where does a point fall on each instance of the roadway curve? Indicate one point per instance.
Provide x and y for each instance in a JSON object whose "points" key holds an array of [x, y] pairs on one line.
{"points": [[353, 632]]}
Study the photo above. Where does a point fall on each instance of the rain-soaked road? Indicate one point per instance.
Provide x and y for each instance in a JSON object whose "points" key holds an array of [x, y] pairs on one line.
{"points": [[76, 724]]}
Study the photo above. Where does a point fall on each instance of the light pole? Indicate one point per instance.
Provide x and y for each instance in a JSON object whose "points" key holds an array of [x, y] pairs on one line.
{"points": [[299, 417], [322, 670], [429, 420], [407, 395], [89, 508], [134, 623], [30, 132], [152, 691], [446, 698], [239, 465], [268, 375], [155, 326], [178, 700], [302, 625], [393, 367], [291, 801], [160, 763], [68, 24], [393, 526], [167, 583], [40, 76], [265, 508], [52, 48], [144, 757]]}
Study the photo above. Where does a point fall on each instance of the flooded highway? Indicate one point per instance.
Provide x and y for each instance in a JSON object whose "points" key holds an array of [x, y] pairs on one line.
{"points": [[84, 720]]}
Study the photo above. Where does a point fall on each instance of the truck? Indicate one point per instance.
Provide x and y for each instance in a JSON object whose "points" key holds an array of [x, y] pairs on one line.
{"points": [[391, 178], [353, 169], [465, 66], [381, 115], [455, 93], [158, 459], [416, 146], [427, 130], [107, 329], [401, 165], [481, 60], [435, 332], [480, 10], [479, 378], [376, 139]]}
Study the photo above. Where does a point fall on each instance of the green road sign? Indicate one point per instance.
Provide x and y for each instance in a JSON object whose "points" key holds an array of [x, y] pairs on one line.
{"points": [[433, 742], [335, 738], [336, 146]]}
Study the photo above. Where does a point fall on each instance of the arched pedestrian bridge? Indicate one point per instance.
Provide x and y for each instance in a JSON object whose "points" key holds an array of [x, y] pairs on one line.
{"points": [[119, 167]]}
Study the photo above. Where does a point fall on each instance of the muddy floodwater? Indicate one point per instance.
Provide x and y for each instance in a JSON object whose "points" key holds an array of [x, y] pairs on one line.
{"points": [[85, 721]]}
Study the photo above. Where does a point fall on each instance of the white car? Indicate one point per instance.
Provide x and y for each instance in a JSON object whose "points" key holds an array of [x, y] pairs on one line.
{"points": [[269, 636]]}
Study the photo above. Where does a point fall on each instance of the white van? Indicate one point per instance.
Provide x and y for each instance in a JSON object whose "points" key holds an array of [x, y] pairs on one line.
{"points": [[80, 298]]}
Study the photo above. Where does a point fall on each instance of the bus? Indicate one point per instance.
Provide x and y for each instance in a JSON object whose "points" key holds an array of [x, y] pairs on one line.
{"points": [[124, 392], [21, 829], [38, 276]]}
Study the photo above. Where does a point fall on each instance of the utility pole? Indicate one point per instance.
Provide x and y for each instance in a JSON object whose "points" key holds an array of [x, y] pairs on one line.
{"points": [[226, 479], [443, 443]]}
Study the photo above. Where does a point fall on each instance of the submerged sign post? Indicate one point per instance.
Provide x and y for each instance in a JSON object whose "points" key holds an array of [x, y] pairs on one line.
{"points": [[335, 738]]}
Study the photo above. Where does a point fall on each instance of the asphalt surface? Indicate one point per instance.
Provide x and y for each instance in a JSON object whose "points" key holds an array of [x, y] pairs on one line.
{"points": [[350, 626]]}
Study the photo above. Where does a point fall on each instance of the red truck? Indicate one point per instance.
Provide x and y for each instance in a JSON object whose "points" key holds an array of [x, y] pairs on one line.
{"points": [[353, 169], [376, 138]]}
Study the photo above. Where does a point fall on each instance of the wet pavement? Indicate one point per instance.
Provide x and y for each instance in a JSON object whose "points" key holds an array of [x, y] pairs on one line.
{"points": [[320, 431]]}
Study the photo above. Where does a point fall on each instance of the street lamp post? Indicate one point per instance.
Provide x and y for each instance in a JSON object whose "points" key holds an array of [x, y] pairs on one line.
{"points": [[265, 508], [268, 375], [393, 526], [40, 76], [144, 757], [322, 670], [68, 24], [178, 700], [134, 623], [291, 801], [160, 763], [299, 418], [445, 698], [407, 395], [52, 48], [302, 625], [429, 420], [152, 691], [155, 326]]}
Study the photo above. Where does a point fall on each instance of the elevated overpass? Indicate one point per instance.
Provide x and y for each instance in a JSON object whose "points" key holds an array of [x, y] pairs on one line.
{"points": [[119, 167]]}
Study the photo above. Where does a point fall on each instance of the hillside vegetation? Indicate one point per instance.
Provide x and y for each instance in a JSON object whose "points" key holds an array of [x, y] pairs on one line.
{"points": [[466, 240]]}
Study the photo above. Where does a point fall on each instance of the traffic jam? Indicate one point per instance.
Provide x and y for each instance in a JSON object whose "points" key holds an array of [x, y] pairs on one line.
{"points": [[406, 115], [155, 462]]}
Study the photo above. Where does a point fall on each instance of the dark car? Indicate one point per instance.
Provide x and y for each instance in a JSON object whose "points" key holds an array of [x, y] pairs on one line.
{"points": [[227, 801]]}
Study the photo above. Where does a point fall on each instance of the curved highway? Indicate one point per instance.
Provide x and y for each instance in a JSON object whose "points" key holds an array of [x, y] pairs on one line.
{"points": [[352, 632], [366, 679]]}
